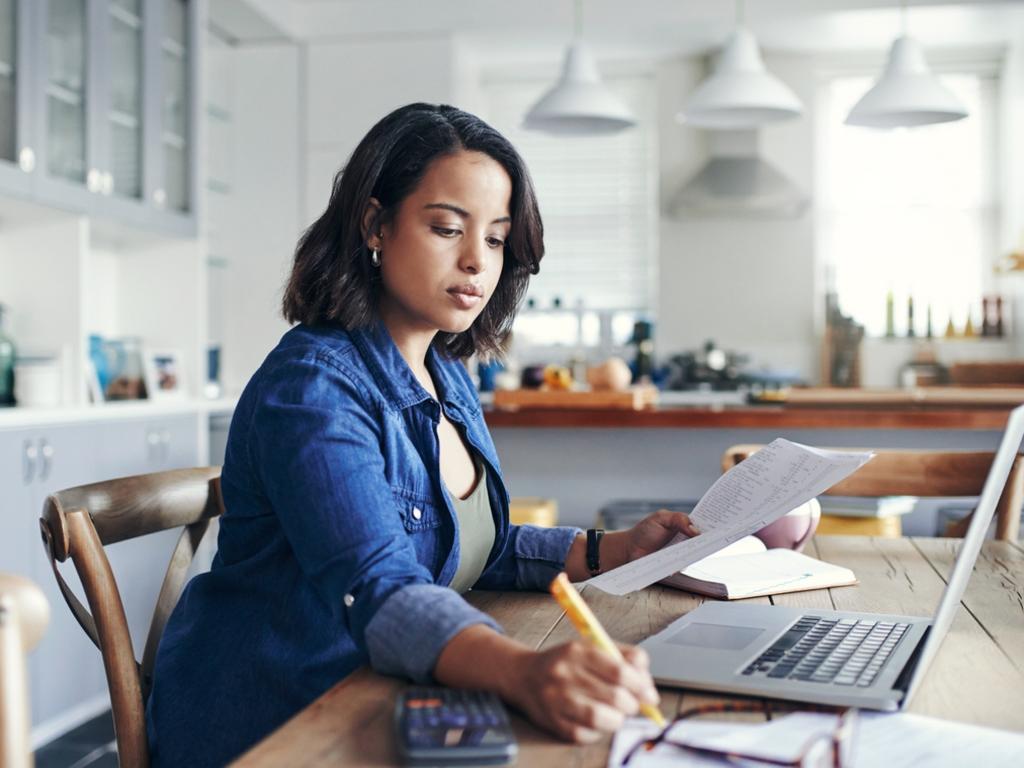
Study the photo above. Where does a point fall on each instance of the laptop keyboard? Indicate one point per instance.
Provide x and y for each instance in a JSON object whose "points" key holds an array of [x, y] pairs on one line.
{"points": [[836, 651]]}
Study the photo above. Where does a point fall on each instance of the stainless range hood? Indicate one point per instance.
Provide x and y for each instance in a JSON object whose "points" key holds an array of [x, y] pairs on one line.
{"points": [[737, 182]]}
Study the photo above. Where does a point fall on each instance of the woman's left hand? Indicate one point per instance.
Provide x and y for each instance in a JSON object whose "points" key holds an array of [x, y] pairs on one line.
{"points": [[655, 531]]}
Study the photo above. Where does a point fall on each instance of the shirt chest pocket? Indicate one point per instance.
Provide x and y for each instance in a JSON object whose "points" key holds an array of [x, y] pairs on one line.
{"points": [[421, 518]]}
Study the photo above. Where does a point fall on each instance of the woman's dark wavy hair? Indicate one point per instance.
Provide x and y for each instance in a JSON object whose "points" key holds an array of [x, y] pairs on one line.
{"points": [[332, 279]]}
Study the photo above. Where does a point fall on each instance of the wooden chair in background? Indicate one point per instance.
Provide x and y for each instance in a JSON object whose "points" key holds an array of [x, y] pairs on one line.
{"points": [[78, 523], [24, 614], [925, 474]]}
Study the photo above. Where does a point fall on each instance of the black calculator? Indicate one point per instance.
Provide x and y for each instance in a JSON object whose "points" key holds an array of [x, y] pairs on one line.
{"points": [[450, 726]]}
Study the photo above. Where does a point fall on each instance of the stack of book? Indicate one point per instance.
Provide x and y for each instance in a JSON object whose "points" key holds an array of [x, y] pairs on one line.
{"points": [[858, 506], [859, 516]]}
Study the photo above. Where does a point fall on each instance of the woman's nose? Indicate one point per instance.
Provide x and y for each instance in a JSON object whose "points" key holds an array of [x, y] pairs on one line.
{"points": [[474, 258]]}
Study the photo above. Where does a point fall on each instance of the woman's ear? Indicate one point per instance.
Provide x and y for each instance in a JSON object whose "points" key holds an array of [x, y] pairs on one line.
{"points": [[371, 223]]}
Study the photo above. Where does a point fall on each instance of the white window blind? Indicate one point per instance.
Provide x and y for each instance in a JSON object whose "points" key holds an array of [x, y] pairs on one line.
{"points": [[597, 197], [912, 211]]}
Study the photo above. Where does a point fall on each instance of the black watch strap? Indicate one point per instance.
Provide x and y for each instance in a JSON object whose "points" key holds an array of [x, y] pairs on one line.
{"points": [[594, 550]]}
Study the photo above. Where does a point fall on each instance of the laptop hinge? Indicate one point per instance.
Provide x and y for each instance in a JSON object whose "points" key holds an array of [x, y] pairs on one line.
{"points": [[903, 681]]}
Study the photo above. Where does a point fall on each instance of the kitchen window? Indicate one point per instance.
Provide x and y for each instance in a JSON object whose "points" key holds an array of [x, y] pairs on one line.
{"points": [[598, 200], [911, 211]]}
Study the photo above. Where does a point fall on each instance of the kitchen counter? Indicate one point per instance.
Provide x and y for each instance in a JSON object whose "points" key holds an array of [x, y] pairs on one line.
{"points": [[755, 417], [931, 408], [584, 459]]}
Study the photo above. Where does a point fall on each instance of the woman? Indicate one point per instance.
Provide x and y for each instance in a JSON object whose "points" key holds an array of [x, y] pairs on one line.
{"points": [[361, 487]]}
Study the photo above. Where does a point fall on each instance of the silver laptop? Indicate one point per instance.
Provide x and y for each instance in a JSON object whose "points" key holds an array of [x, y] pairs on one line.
{"points": [[874, 661]]}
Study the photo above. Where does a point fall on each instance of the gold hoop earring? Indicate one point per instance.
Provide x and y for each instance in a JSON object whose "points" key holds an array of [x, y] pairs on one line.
{"points": [[375, 257]]}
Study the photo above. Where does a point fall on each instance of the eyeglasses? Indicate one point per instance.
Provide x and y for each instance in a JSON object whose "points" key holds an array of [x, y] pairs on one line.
{"points": [[824, 750]]}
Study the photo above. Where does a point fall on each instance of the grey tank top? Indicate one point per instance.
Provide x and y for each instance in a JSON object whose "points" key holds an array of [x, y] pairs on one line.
{"points": [[476, 531]]}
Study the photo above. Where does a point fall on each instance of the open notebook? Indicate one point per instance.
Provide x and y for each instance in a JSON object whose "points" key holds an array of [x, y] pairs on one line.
{"points": [[747, 569]]}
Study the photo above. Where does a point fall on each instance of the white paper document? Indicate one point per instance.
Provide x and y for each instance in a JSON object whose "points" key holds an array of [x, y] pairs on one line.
{"points": [[757, 491], [890, 740]]}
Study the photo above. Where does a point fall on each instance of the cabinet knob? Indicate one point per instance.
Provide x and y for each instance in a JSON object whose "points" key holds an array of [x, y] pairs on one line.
{"points": [[94, 180], [46, 451], [160, 197], [27, 159]]}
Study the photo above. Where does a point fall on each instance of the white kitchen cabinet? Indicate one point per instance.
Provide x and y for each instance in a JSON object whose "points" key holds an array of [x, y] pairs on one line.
{"points": [[139, 446], [66, 671], [98, 108]]}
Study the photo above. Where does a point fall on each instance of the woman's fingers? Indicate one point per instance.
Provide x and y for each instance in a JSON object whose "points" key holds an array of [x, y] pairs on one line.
{"points": [[633, 678], [677, 521], [580, 692], [636, 656]]}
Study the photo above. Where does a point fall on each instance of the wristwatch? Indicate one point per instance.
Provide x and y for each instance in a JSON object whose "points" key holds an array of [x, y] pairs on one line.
{"points": [[594, 550]]}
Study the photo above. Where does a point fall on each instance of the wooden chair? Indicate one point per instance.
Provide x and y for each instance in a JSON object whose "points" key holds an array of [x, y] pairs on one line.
{"points": [[925, 473], [24, 614], [78, 523]]}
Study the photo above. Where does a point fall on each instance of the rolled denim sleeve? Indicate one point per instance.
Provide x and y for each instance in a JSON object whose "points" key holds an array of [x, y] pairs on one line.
{"points": [[317, 443], [540, 554], [396, 636]]}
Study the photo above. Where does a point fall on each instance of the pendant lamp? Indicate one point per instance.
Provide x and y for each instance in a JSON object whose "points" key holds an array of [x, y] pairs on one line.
{"points": [[907, 94], [579, 104], [740, 93]]}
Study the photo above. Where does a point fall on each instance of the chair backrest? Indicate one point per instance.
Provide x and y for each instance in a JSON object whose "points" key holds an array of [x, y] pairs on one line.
{"points": [[78, 523], [924, 473]]}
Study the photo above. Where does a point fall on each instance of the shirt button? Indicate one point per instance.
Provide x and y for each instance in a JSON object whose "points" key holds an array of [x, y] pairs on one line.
{"points": [[417, 513], [349, 600]]}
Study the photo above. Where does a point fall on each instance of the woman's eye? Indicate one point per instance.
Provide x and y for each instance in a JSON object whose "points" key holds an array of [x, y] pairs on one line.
{"points": [[445, 231], [495, 242]]}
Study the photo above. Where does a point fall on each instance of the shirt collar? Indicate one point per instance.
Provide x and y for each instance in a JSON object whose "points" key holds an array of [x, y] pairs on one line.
{"points": [[393, 375]]}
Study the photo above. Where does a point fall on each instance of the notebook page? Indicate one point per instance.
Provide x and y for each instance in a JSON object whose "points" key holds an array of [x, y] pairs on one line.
{"points": [[781, 476]]}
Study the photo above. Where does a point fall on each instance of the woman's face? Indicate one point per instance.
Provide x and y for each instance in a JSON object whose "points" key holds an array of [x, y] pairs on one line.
{"points": [[442, 252]]}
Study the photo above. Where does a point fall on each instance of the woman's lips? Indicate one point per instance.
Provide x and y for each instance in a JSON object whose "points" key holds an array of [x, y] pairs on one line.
{"points": [[464, 299], [466, 296]]}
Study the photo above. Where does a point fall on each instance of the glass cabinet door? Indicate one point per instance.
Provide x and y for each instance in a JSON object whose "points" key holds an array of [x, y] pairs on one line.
{"points": [[124, 102], [8, 80], [66, 69], [175, 106]]}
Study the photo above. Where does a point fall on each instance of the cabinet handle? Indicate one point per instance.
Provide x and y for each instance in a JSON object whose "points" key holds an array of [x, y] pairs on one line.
{"points": [[27, 159], [94, 180], [28, 461], [160, 197], [46, 450], [152, 445]]}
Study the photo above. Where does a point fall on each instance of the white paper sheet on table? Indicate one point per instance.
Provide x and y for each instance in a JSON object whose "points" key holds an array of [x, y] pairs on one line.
{"points": [[779, 477], [890, 740]]}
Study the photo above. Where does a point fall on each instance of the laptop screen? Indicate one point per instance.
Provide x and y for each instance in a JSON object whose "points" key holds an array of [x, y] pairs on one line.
{"points": [[971, 546]]}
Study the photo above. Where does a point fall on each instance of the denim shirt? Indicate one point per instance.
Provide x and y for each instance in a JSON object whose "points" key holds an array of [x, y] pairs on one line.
{"points": [[336, 545]]}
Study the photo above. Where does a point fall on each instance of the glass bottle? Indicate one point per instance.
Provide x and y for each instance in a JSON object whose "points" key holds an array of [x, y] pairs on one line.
{"points": [[910, 317], [7, 355], [890, 315]]}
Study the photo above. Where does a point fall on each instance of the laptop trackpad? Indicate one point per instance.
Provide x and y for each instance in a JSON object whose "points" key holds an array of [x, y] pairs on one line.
{"points": [[722, 636]]}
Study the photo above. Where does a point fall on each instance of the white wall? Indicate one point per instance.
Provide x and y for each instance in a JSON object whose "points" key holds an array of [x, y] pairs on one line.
{"points": [[746, 283], [262, 218], [350, 85]]}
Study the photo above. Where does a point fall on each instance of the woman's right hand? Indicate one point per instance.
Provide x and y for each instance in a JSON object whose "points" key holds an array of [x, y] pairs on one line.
{"points": [[578, 691]]}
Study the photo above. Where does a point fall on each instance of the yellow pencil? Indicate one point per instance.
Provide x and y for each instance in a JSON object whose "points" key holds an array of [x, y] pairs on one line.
{"points": [[587, 625]]}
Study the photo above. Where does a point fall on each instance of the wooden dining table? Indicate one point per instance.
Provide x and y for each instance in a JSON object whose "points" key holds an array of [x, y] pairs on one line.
{"points": [[977, 676]]}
